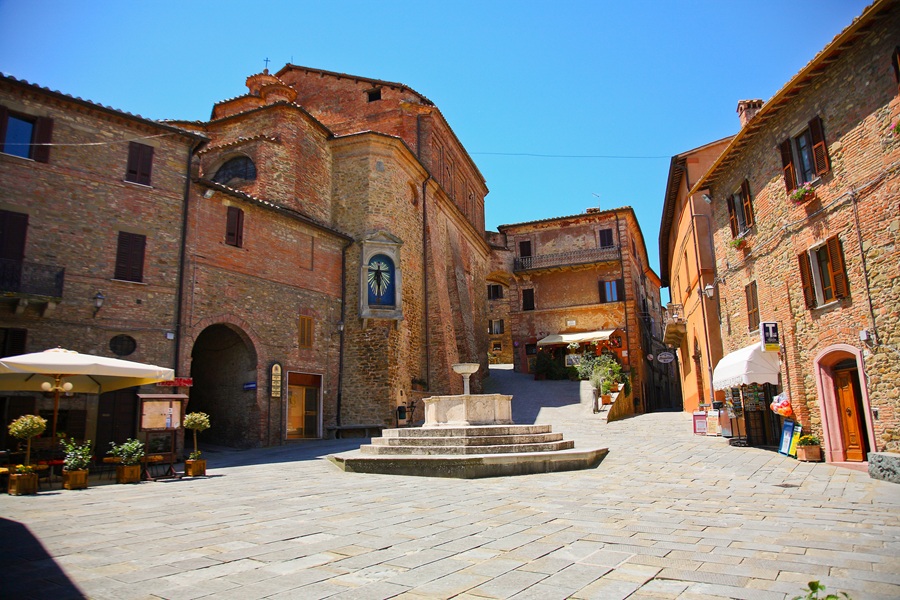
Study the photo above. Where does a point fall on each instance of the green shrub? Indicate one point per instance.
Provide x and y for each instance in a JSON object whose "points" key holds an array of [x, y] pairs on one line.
{"points": [[78, 457], [198, 421], [130, 452], [25, 428]]}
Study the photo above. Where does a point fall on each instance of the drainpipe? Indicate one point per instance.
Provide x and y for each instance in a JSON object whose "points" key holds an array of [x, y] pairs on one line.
{"points": [[709, 368], [343, 326], [862, 254], [182, 258]]}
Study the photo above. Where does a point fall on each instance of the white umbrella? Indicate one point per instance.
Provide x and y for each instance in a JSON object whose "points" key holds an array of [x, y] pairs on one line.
{"points": [[59, 370]]}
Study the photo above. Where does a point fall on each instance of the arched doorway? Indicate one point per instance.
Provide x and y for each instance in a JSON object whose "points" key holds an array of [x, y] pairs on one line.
{"points": [[844, 404], [223, 360]]}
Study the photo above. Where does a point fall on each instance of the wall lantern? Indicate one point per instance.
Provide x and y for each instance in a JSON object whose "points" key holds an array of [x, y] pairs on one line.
{"points": [[98, 302]]}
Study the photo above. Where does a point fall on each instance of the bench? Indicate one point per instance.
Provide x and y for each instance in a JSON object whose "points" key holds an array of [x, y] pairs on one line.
{"points": [[337, 431]]}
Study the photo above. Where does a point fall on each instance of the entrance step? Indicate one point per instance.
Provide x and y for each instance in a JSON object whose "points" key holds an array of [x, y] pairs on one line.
{"points": [[479, 440], [457, 449]]}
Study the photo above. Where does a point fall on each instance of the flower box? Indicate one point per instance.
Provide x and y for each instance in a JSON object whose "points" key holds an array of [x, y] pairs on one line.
{"points": [[804, 193], [195, 468], [23, 484], [75, 480]]}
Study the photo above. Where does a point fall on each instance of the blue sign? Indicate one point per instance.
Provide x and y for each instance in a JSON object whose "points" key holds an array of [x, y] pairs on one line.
{"points": [[250, 386]]}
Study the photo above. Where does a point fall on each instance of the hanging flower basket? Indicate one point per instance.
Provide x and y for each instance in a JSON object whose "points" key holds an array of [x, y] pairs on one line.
{"points": [[737, 243], [803, 194]]}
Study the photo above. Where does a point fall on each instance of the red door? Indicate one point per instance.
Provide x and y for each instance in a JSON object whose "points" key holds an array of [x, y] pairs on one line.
{"points": [[851, 427]]}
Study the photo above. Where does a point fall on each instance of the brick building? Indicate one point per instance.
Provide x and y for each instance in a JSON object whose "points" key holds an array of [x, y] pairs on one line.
{"points": [[336, 235], [687, 265], [583, 278], [804, 202], [91, 222]]}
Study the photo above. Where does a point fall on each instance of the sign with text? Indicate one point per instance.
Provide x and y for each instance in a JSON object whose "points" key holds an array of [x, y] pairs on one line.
{"points": [[275, 381], [768, 330], [665, 357], [177, 382]]}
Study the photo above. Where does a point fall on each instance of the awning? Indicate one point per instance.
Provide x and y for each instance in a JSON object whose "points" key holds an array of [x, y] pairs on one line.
{"points": [[579, 338], [745, 366]]}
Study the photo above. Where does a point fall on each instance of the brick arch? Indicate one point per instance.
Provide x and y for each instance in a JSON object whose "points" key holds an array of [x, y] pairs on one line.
{"points": [[823, 368], [241, 327]]}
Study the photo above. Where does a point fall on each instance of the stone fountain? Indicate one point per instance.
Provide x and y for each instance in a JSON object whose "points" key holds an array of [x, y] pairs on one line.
{"points": [[468, 436]]}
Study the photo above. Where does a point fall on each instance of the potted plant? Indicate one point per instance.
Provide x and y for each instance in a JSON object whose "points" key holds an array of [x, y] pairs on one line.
{"points": [[895, 128], [25, 480], [808, 448], [195, 466], [802, 194], [737, 243], [75, 464], [129, 454]]}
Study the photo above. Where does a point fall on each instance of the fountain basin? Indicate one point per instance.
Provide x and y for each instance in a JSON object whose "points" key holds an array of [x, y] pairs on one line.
{"points": [[457, 411]]}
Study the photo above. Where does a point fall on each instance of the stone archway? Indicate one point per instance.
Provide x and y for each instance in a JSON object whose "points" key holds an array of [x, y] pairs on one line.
{"points": [[829, 364], [223, 359]]}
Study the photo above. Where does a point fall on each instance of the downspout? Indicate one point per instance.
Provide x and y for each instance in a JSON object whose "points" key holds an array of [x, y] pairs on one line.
{"points": [[182, 259], [709, 368], [424, 254], [862, 255], [341, 328]]}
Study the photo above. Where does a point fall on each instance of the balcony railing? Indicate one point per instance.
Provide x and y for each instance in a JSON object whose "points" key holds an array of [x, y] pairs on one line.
{"points": [[25, 278], [564, 259]]}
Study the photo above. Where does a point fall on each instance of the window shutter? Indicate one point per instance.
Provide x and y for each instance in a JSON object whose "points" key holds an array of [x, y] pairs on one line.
{"points": [[43, 134], [13, 231], [732, 218], [787, 164], [130, 257], [836, 265], [146, 165], [13, 342], [4, 118], [603, 292], [501, 326], [806, 280], [820, 152], [528, 299], [620, 290], [140, 163], [748, 203], [752, 307], [234, 227]]}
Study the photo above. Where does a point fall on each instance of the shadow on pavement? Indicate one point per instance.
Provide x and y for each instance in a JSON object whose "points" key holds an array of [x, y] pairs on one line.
{"points": [[307, 450], [530, 396], [28, 570]]}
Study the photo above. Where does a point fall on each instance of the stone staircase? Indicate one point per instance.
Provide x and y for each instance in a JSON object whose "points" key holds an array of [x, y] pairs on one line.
{"points": [[469, 452], [476, 439]]}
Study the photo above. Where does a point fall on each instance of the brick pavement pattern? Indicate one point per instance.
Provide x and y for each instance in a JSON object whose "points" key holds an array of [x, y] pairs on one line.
{"points": [[666, 515]]}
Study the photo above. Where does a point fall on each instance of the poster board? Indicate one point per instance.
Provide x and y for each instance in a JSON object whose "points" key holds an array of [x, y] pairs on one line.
{"points": [[161, 412], [787, 435], [795, 438]]}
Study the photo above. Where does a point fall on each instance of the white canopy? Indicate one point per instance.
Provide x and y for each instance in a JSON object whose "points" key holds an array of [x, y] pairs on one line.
{"points": [[745, 366], [580, 338]]}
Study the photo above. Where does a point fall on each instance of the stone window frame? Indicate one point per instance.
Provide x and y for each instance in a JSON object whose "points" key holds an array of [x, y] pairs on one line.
{"points": [[388, 245]]}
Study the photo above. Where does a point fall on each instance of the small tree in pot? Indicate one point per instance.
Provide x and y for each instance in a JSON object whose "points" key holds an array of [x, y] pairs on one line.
{"points": [[24, 481], [75, 464], [195, 466], [129, 454]]}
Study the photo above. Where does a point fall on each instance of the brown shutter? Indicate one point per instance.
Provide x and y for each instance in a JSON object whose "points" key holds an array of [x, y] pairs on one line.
{"points": [[134, 157], [752, 307], [806, 280], [4, 119], [748, 203], [602, 292], [43, 134], [620, 290], [234, 227], [838, 271], [13, 232], [140, 163], [732, 218], [130, 257], [819, 151], [787, 164], [146, 165]]}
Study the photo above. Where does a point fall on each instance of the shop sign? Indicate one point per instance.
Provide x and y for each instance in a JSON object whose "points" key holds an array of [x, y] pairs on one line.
{"points": [[665, 357], [177, 382], [768, 330], [275, 381], [250, 385]]}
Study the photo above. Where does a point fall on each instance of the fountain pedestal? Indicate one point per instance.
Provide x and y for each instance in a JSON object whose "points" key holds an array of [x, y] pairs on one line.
{"points": [[458, 411]]}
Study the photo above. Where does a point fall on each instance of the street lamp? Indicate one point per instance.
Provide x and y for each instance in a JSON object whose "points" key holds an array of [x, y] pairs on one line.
{"points": [[98, 302]]}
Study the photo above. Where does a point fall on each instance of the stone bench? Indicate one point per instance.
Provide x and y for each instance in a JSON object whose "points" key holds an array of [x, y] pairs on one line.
{"points": [[338, 431]]}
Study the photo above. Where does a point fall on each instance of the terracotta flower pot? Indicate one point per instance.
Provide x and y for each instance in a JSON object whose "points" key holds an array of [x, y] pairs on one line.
{"points": [[195, 468], [23, 484], [809, 453], [75, 480], [128, 473]]}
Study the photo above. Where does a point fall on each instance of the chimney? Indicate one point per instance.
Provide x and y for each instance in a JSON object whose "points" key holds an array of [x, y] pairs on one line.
{"points": [[747, 109]]}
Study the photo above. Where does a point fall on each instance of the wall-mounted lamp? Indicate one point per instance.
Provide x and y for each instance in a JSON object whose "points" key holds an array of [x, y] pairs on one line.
{"points": [[340, 325], [709, 291], [707, 199], [98, 302]]}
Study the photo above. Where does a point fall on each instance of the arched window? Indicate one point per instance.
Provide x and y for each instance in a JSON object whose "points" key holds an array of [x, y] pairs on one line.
{"points": [[239, 167], [381, 282]]}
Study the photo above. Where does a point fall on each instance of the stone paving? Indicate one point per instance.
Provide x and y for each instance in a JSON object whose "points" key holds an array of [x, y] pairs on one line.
{"points": [[666, 515]]}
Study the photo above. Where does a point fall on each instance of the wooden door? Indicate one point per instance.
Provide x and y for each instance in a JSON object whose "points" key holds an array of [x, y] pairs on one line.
{"points": [[116, 419], [851, 427]]}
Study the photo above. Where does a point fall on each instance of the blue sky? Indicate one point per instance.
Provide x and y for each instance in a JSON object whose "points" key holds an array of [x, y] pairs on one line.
{"points": [[605, 92]]}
